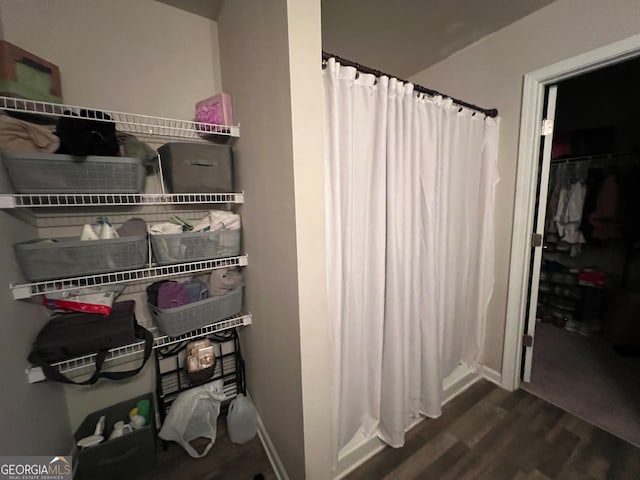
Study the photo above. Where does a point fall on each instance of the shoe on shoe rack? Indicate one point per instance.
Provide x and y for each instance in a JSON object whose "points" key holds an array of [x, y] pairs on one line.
{"points": [[572, 325], [559, 320], [583, 329]]}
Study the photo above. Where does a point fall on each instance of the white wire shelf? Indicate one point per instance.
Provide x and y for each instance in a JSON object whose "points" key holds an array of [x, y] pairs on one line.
{"points": [[115, 199], [112, 199], [78, 366], [127, 122], [27, 290]]}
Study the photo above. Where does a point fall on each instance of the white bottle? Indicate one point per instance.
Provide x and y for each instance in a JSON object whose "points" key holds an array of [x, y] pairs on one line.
{"points": [[242, 420]]}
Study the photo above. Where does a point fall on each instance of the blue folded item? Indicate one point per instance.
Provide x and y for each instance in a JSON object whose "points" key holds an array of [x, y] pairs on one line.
{"points": [[197, 290]]}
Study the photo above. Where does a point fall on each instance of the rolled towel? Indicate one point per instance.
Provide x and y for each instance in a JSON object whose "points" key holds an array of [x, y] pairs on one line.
{"points": [[224, 280]]}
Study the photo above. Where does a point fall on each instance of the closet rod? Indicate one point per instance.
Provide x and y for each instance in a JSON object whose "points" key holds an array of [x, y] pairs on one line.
{"points": [[490, 112], [599, 156]]}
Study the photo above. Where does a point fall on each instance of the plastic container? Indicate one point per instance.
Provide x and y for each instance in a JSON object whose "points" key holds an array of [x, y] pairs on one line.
{"points": [[180, 320], [242, 420], [130, 456], [54, 173], [71, 257], [194, 246]]}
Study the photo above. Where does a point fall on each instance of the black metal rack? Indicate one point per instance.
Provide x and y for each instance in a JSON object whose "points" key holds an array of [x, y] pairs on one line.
{"points": [[171, 378]]}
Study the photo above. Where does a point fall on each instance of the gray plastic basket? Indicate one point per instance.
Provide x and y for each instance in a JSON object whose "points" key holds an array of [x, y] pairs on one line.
{"points": [[71, 257], [180, 320], [193, 246], [55, 173]]}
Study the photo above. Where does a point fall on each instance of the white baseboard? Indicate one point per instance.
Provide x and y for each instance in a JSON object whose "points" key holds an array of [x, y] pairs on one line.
{"points": [[456, 383], [360, 448], [272, 454], [490, 374], [355, 453]]}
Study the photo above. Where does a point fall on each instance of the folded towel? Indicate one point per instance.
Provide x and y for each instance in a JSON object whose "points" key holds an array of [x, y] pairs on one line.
{"points": [[218, 220], [224, 280], [221, 220], [21, 136], [164, 228]]}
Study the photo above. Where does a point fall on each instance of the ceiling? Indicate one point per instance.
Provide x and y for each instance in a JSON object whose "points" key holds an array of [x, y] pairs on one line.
{"points": [[401, 37], [205, 8]]}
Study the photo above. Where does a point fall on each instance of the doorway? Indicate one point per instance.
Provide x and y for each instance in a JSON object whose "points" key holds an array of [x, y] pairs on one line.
{"points": [[523, 250], [587, 302]]}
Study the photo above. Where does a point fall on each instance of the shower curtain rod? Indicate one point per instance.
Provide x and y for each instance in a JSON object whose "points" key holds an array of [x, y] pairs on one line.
{"points": [[490, 112]]}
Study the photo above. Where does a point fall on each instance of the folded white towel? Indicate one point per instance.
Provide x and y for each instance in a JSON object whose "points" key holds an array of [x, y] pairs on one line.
{"points": [[164, 228]]}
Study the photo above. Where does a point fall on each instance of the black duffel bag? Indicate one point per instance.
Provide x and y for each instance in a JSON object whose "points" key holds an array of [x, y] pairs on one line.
{"points": [[90, 133], [71, 335]]}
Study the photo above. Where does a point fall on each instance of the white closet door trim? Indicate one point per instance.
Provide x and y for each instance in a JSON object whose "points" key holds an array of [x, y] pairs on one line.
{"points": [[540, 223], [526, 180]]}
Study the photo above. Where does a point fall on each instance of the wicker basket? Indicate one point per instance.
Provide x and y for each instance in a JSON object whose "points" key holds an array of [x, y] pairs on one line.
{"points": [[72, 257], [180, 320]]}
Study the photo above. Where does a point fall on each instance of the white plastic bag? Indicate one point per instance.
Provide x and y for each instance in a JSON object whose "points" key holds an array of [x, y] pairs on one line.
{"points": [[194, 414], [242, 420]]}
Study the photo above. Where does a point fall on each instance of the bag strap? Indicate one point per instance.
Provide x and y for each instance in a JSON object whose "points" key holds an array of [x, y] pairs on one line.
{"points": [[52, 373], [141, 333]]}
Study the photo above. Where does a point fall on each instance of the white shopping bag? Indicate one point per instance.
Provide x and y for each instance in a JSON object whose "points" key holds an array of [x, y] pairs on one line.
{"points": [[194, 414]]}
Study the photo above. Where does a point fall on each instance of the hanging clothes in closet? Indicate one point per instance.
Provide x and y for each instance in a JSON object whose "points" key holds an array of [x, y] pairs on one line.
{"points": [[593, 202]]}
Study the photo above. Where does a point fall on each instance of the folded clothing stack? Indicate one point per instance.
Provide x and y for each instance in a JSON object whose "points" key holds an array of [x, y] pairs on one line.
{"points": [[21, 136]]}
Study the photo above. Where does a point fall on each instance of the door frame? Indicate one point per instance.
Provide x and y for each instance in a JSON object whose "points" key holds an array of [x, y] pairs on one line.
{"points": [[526, 186]]}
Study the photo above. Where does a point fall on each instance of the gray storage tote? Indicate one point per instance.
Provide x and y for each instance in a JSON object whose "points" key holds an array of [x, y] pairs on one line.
{"points": [[194, 246], [180, 320], [72, 257], [197, 168], [54, 173]]}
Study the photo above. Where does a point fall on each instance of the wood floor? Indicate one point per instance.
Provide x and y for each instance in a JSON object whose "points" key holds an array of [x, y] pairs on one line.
{"points": [[488, 433], [225, 461]]}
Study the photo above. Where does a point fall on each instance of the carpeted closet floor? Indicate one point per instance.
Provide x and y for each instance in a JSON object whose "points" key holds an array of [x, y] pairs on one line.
{"points": [[584, 376]]}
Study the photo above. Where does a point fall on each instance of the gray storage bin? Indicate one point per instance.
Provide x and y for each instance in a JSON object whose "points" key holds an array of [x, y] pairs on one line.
{"points": [[130, 456], [54, 173], [180, 320], [194, 246], [197, 168], [71, 257]]}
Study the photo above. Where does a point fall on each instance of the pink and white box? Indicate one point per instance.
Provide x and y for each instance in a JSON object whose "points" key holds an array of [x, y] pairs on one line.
{"points": [[216, 110]]}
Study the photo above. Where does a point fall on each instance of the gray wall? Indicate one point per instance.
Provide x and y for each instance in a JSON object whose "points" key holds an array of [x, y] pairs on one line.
{"points": [[255, 71], [34, 417]]}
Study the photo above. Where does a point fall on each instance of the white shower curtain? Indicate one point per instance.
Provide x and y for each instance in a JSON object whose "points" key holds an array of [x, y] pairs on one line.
{"points": [[410, 184]]}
